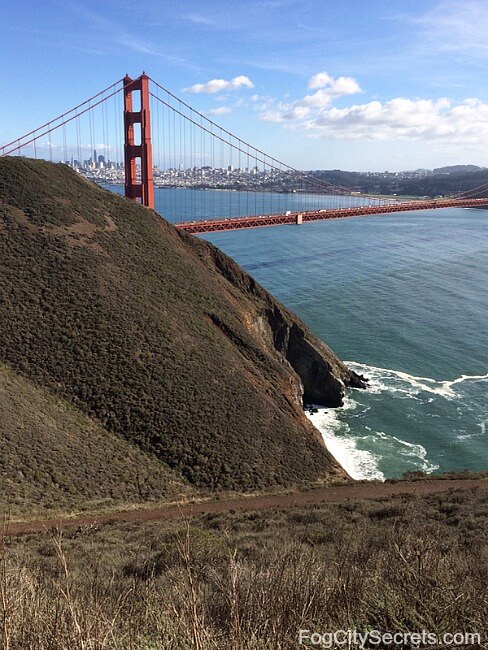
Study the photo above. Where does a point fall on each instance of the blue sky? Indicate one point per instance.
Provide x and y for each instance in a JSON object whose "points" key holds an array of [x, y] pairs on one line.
{"points": [[359, 85]]}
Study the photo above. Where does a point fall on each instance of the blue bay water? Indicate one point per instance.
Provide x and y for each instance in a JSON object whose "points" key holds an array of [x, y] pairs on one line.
{"points": [[184, 204], [403, 299]]}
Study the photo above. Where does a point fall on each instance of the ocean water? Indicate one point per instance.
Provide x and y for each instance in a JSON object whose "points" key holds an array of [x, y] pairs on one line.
{"points": [[178, 204], [403, 299]]}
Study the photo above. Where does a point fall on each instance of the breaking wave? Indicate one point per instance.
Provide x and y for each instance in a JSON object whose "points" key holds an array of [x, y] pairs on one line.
{"points": [[385, 379], [358, 463], [365, 451]]}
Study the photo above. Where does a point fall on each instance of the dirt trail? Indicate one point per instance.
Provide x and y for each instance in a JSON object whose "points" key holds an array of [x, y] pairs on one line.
{"points": [[329, 494]]}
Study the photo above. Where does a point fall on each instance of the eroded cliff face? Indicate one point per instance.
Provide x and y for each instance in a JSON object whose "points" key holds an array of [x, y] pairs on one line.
{"points": [[321, 378]]}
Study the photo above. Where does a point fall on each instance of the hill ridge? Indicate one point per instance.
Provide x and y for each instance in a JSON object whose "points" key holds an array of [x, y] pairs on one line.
{"points": [[157, 335]]}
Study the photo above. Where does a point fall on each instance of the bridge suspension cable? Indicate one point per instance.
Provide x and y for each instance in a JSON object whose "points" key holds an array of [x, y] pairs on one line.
{"points": [[241, 145], [202, 171], [68, 116], [482, 189], [263, 183]]}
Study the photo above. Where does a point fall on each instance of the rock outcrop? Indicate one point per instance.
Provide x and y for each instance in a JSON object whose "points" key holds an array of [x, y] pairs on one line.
{"points": [[323, 376]]}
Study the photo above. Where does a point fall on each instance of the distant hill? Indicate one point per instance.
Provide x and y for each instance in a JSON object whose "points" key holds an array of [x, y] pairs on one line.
{"points": [[443, 181], [457, 169], [158, 338], [444, 184]]}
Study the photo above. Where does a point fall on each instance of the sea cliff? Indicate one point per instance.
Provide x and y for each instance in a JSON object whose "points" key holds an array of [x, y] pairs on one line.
{"points": [[157, 336]]}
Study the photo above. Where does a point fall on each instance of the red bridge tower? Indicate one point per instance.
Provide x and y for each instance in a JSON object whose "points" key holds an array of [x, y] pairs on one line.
{"points": [[145, 189]]}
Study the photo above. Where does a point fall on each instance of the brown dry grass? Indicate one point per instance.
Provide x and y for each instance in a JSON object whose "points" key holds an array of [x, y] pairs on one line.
{"points": [[251, 580]]}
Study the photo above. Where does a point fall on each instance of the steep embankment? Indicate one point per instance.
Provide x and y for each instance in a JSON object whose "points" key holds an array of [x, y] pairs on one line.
{"points": [[158, 336]]}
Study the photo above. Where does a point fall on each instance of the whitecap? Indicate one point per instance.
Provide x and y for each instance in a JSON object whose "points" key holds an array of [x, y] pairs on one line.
{"points": [[478, 432], [358, 463], [410, 450], [364, 451], [396, 381], [464, 378]]}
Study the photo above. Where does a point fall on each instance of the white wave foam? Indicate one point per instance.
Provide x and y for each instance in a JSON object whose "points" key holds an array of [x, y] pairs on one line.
{"points": [[396, 381], [363, 464], [410, 450], [358, 463], [362, 455], [479, 432], [463, 378]]}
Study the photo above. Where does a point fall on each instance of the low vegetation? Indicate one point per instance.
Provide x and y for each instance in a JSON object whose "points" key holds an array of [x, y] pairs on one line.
{"points": [[442, 182], [135, 365], [252, 580], [152, 334], [54, 458]]}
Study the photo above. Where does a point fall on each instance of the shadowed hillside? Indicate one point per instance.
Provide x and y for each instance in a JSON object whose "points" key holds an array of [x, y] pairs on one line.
{"points": [[159, 337]]}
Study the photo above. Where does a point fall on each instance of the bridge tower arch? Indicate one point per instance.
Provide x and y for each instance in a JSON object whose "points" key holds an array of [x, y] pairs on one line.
{"points": [[143, 190]]}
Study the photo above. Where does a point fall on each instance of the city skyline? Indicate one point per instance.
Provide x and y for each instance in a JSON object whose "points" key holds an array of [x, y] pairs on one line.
{"points": [[319, 85]]}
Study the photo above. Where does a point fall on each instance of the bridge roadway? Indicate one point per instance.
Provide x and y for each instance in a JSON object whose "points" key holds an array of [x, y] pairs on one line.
{"points": [[237, 223]]}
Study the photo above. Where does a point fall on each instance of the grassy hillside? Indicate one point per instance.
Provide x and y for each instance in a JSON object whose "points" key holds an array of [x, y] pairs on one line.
{"points": [[158, 336], [53, 456]]}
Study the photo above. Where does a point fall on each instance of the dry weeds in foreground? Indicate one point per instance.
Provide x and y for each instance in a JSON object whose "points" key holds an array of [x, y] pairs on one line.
{"points": [[251, 580]]}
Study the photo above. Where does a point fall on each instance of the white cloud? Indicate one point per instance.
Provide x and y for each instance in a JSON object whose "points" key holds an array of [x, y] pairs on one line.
{"points": [[221, 110], [319, 80], [328, 89], [319, 98], [295, 113], [343, 86], [262, 102], [402, 118], [218, 85]]}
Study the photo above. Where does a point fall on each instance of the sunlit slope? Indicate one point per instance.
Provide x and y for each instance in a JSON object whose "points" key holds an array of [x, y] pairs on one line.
{"points": [[158, 336]]}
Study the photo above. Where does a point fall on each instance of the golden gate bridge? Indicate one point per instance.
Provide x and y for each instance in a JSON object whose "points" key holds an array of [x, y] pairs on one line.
{"points": [[151, 138]]}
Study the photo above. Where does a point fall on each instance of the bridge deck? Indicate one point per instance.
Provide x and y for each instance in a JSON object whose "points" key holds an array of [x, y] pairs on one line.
{"points": [[237, 223]]}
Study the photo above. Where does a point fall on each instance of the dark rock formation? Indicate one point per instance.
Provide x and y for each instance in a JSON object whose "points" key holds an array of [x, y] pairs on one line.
{"points": [[323, 376]]}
